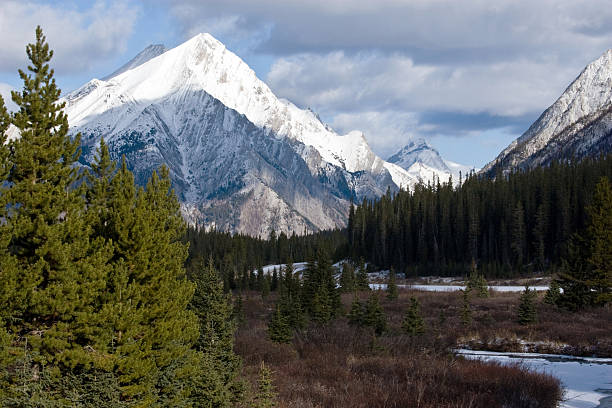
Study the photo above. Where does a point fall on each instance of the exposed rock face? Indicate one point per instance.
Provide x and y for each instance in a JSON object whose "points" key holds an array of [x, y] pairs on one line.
{"points": [[577, 125], [240, 159]]}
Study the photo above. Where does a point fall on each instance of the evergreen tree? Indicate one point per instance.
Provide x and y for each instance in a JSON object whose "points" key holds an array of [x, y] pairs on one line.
{"points": [[356, 314], [466, 311], [526, 309], [586, 278], [53, 272], [553, 293], [477, 283], [374, 315], [279, 329], [518, 233], [266, 396], [347, 278], [219, 374], [362, 282], [413, 323], [392, 292], [238, 313], [599, 241]]}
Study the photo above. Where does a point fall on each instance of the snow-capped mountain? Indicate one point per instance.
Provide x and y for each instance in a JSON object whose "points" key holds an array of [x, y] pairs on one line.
{"points": [[423, 162], [578, 124], [240, 158]]}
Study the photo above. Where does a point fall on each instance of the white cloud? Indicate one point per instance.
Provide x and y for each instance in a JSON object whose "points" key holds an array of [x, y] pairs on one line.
{"points": [[80, 38], [386, 132], [367, 82]]}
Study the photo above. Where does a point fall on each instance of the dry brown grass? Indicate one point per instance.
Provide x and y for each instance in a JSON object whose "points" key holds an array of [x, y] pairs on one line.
{"points": [[342, 366]]}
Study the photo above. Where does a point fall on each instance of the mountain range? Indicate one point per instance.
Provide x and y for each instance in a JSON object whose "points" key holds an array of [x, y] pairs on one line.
{"points": [[240, 158], [577, 125]]}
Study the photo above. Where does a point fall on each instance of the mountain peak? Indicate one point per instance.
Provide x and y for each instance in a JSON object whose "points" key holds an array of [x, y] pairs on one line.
{"points": [[570, 127], [418, 151]]}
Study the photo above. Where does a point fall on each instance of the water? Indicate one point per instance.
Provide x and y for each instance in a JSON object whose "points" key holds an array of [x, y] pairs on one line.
{"points": [[454, 288], [587, 381]]}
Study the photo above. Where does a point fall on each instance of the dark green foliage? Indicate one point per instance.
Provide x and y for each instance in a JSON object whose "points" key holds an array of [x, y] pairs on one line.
{"points": [[238, 313], [507, 224], [466, 310], [586, 276], [320, 297], [266, 396], [219, 374], [290, 298], [361, 280], [237, 254], [374, 315], [279, 329], [553, 293], [477, 282], [392, 291], [93, 280], [526, 310], [413, 323], [355, 315], [347, 278]]}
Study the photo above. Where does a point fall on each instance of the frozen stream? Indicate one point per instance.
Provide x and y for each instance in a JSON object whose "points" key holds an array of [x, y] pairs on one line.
{"points": [[587, 381], [453, 288]]}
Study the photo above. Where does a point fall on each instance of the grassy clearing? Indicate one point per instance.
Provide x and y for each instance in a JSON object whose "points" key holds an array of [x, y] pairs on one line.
{"points": [[343, 366]]}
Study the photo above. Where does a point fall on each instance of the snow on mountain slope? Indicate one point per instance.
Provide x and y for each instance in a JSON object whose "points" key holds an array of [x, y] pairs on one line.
{"points": [[143, 56], [422, 162], [578, 124], [279, 168], [418, 151], [203, 63]]}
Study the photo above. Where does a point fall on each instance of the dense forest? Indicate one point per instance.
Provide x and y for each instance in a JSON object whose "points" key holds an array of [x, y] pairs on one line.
{"points": [[514, 224]]}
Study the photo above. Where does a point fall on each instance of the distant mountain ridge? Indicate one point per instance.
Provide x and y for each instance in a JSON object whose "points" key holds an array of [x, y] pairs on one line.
{"points": [[422, 161], [577, 125]]}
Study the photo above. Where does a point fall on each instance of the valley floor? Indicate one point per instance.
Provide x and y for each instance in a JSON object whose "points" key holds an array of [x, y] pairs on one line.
{"points": [[339, 365]]}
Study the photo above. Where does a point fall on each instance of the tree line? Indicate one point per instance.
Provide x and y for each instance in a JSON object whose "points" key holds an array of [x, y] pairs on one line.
{"points": [[509, 225]]}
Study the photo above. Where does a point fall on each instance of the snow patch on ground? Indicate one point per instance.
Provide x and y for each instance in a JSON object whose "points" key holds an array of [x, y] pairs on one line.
{"points": [[587, 381]]}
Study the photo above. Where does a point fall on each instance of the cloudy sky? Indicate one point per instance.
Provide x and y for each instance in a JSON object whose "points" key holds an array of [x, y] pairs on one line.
{"points": [[469, 76]]}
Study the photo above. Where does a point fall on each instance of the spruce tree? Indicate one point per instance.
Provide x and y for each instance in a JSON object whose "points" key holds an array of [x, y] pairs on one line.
{"points": [[266, 396], [586, 277], [553, 293], [356, 314], [477, 282], [599, 241], [53, 271], [466, 311], [362, 281], [392, 291], [216, 340], [374, 315], [413, 323], [526, 310], [347, 278], [279, 329]]}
